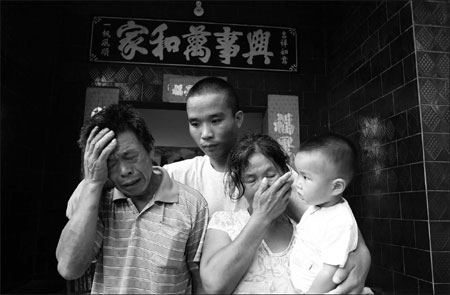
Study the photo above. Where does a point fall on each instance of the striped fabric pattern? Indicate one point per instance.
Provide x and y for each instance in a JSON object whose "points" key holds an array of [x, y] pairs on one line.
{"points": [[152, 251]]}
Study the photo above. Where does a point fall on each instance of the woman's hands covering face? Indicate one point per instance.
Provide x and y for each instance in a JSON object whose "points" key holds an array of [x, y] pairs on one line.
{"points": [[271, 201]]}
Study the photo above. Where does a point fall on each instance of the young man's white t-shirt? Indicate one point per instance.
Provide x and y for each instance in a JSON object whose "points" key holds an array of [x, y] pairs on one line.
{"points": [[199, 174]]}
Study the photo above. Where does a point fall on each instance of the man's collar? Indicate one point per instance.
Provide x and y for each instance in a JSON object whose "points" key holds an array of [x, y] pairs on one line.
{"points": [[166, 193]]}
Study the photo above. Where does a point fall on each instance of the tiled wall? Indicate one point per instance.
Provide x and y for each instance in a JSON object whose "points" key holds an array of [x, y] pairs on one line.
{"points": [[432, 38], [376, 96]]}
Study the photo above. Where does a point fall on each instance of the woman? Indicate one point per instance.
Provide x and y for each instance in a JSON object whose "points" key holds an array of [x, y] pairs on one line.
{"points": [[248, 251]]}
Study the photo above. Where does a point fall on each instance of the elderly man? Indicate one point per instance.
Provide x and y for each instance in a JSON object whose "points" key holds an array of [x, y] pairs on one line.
{"points": [[146, 232]]}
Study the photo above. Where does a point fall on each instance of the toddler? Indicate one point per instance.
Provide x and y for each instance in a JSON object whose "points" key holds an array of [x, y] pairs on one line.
{"points": [[327, 232]]}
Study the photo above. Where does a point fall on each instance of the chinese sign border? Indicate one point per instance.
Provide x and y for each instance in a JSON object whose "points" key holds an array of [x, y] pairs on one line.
{"points": [[288, 49]]}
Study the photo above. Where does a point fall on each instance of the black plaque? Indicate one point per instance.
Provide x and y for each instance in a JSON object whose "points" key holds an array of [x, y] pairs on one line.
{"points": [[182, 43]]}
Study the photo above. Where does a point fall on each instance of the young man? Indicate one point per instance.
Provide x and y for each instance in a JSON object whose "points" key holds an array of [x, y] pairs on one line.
{"points": [[214, 119], [147, 232]]}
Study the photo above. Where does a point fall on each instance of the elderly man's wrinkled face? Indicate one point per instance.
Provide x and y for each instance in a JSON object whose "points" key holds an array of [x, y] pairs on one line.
{"points": [[130, 166]]}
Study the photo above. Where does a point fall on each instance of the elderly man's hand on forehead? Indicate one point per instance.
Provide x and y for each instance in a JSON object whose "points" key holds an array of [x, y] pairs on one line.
{"points": [[99, 146]]}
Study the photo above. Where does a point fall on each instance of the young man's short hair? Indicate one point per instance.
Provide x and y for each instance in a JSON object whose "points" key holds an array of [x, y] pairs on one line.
{"points": [[216, 85]]}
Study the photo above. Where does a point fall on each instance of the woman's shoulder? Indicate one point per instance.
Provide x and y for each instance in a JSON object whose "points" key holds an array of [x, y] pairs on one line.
{"points": [[228, 217], [229, 221]]}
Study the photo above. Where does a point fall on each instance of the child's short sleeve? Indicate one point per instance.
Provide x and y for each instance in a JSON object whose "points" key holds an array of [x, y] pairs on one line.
{"points": [[341, 239]]}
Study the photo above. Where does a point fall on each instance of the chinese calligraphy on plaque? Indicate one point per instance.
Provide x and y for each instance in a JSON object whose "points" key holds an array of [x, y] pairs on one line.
{"points": [[150, 41], [283, 121]]}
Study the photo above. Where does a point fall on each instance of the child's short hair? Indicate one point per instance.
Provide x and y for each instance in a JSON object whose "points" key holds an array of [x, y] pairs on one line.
{"points": [[339, 150]]}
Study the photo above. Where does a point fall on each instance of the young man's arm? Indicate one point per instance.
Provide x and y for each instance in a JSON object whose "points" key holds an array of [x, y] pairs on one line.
{"points": [[323, 281]]}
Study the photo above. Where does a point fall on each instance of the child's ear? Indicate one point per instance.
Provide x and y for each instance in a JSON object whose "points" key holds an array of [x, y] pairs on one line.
{"points": [[239, 118], [339, 185]]}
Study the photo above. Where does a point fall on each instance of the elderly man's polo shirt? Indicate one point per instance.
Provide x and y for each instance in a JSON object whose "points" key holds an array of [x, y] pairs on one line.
{"points": [[151, 251]]}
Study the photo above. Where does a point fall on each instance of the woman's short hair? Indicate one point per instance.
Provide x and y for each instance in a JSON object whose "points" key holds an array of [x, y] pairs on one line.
{"points": [[244, 149]]}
